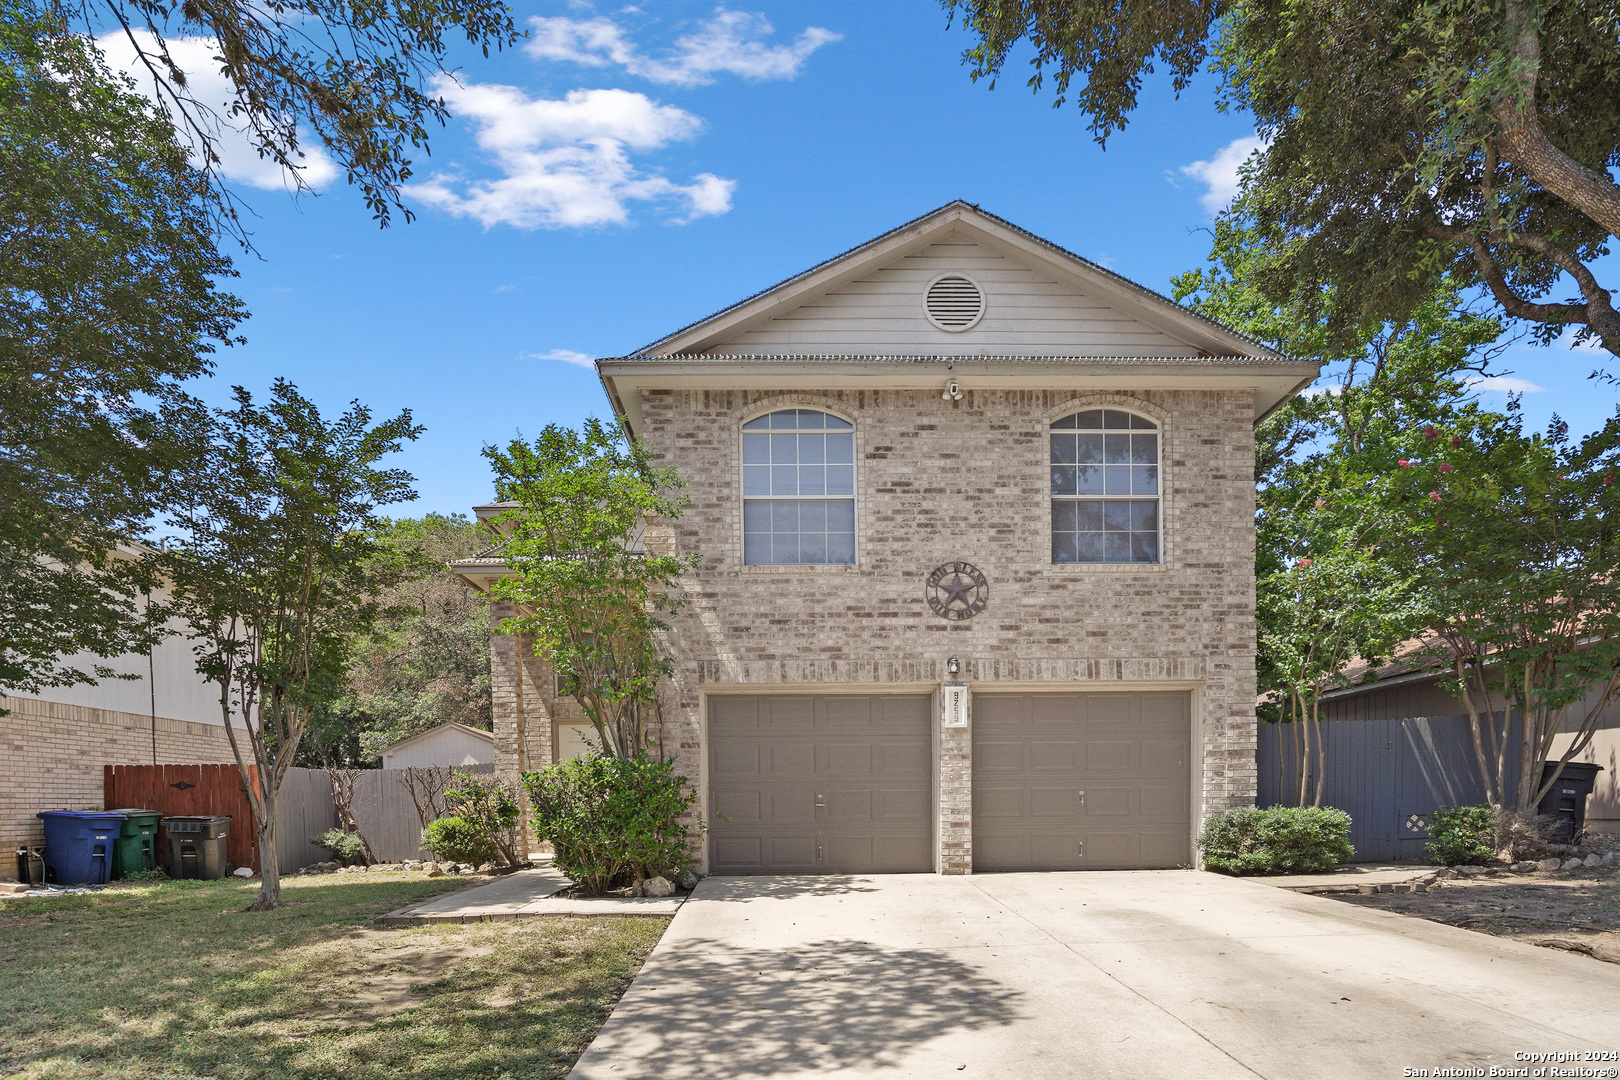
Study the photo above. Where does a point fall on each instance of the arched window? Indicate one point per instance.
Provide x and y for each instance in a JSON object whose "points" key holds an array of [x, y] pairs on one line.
{"points": [[1105, 488], [798, 487]]}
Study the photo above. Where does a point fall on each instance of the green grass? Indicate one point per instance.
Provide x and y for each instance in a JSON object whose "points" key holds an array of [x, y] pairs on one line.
{"points": [[175, 980]]}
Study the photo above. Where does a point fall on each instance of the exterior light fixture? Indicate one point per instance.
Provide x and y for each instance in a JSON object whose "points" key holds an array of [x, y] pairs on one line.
{"points": [[953, 392], [953, 666]]}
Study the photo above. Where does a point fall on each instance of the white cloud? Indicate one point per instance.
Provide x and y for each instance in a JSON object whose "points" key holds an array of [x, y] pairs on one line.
{"points": [[1502, 384], [1567, 340], [565, 356], [1219, 175], [732, 42], [239, 161], [567, 162]]}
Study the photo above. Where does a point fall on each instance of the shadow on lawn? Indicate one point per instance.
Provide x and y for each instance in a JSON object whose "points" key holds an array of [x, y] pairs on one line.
{"points": [[715, 1010]]}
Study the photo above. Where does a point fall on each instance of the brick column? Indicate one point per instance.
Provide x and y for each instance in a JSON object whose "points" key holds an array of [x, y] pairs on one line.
{"points": [[521, 721], [954, 825]]}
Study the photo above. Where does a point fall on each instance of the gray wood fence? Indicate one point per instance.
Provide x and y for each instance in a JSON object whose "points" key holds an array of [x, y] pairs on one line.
{"points": [[1388, 775], [382, 808]]}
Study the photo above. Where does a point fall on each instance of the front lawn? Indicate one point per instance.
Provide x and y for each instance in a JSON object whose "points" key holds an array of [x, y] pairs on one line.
{"points": [[175, 980]]}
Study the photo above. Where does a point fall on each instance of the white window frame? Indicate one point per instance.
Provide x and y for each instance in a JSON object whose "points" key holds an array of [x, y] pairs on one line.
{"points": [[854, 499], [1158, 465]]}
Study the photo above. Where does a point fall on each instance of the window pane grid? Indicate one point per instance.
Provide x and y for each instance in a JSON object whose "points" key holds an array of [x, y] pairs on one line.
{"points": [[1105, 487], [793, 460]]}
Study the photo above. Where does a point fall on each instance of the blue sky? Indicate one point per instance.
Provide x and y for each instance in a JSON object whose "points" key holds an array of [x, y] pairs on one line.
{"points": [[628, 170]]}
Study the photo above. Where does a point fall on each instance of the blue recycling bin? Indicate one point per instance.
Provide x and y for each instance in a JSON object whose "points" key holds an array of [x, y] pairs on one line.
{"points": [[79, 845]]}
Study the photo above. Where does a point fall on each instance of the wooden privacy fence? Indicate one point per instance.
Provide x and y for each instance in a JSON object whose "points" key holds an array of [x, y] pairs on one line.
{"points": [[382, 808], [1388, 775]]}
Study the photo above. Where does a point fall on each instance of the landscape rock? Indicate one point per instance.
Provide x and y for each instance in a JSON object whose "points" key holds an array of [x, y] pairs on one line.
{"points": [[435, 872], [1608, 857], [242, 872], [449, 868], [1442, 873], [689, 881], [1523, 867], [484, 868], [1548, 864], [1572, 864], [1470, 871], [1593, 859], [656, 886]]}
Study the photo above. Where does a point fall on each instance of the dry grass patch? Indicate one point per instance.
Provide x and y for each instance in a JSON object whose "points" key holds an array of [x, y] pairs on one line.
{"points": [[176, 980]]}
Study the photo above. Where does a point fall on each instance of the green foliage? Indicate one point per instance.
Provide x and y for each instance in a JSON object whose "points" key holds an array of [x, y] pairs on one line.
{"points": [[425, 662], [156, 874], [1407, 142], [363, 78], [488, 808], [456, 839], [1512, 537], [1462, 836], [1277, 840], [276, 568], [611, 820], [346, 847], [587, 546], [109, 303]]}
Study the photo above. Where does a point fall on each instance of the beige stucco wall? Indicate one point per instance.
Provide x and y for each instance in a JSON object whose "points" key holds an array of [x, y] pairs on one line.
{"points": [[52, 753], [940, 481]]}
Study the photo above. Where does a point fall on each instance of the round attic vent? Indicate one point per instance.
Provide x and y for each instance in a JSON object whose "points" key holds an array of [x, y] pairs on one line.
{"points": [[954, 302]]}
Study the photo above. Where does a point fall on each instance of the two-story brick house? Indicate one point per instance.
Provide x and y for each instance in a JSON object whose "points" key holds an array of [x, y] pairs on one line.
{"points": [[975, 518]]}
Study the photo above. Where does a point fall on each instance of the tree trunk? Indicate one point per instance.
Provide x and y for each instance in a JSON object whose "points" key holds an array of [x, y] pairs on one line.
{"points": [[269, 862]]}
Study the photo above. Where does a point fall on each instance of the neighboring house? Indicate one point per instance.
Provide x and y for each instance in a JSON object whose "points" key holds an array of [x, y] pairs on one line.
{"points": [[1397, 692], [976, 522], [447, 744], [53, 745]]}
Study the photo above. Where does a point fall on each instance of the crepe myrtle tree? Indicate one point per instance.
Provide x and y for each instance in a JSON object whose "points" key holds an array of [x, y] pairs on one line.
{"points": [[1511, 538], [276, 568], [591, 592], [1403, 142]]}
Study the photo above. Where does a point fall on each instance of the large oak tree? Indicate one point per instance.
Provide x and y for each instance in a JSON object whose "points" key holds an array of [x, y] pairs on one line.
{"points": [[1407, 141]]}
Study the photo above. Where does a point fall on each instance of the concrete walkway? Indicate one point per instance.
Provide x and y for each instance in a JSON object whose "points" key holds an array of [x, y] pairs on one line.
{"points": [[1146, 974], [521, 895], [1355, 878]]}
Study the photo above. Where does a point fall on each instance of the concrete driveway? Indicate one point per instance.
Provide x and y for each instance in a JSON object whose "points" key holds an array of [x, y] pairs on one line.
{"points": [[1143, 974]]}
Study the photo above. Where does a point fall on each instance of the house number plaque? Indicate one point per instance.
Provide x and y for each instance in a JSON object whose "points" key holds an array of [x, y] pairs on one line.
{"points": [[957, 591]]}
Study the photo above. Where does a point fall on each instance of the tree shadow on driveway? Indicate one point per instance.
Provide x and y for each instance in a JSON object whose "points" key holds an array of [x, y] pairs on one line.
{"points": [[716, 1010], [784, 886]]}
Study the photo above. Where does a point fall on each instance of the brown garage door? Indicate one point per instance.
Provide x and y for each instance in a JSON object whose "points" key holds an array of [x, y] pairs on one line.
{"points": [[1081, 781], [832, 784]]}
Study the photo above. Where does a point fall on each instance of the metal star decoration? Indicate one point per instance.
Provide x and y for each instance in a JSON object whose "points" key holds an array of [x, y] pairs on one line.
{"points": [[957, 591]]}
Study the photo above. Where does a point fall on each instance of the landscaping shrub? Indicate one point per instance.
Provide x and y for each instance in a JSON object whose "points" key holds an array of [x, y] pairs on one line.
{"points": [[1277, 840], [346, 847], [612, 821], [455, 839], [1462, 836], [488, 809]]}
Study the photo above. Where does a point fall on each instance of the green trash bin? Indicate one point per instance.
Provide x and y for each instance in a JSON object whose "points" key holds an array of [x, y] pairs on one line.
{"points": [[137, 843]]}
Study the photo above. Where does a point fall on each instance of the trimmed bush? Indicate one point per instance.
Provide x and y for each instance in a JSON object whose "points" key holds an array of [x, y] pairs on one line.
{"points": [[346, 847], [455, 839], [488, 809], [1277, 840], [612, 821], [1462, 836]]}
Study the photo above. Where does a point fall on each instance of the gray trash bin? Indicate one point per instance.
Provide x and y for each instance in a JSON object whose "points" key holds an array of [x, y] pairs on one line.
{"points": [[197, 845]]}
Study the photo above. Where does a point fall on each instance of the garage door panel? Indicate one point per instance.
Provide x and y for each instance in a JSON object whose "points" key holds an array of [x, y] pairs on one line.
{"points": [[846, 759], [1061, 802], [990, 758], [740, 805], [865, 759], [990, 803], [1033, 753], [1102, 756], [732, 758], [909, 759], [1103, 802]]}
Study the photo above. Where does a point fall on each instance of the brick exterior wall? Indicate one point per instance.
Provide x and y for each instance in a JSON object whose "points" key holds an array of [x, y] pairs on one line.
{"points": [[939, 481], [51, 758]]}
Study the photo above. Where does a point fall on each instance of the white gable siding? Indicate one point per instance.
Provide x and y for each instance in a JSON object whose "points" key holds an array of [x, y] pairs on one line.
{"points": [[444, 746], [1028, 313]]}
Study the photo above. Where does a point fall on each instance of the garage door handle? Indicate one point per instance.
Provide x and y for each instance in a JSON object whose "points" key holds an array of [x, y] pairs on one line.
{"points": [[1082, 798]]}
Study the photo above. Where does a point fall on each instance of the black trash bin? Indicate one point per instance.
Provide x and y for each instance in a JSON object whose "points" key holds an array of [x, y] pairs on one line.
{"points": [[197, 845], [1566, 800]]}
